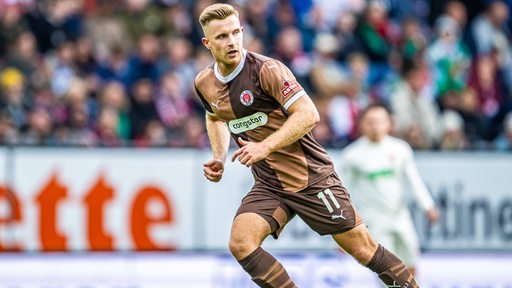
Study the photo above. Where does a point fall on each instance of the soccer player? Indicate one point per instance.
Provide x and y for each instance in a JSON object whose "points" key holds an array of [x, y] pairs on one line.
{"points": [[258, 101], [380, 171]]}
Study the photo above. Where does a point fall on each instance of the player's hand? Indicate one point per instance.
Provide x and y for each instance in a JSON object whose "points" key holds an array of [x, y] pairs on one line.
{"points": [[250, 152], [213, 170], [433, 215]]}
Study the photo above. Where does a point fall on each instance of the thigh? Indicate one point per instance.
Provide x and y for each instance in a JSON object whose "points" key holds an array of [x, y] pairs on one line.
{"points": [[268, 206], [326, 207], [249, 228]]}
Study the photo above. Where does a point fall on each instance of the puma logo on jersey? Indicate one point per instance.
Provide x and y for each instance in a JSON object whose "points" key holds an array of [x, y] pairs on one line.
{"points": [[339, 216], [216, 104]]}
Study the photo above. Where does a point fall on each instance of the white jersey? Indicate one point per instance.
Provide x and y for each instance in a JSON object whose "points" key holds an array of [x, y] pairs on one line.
{"points": [[379, 177]]}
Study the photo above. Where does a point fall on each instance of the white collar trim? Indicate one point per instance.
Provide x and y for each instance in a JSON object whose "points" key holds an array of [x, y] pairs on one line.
{"points": [[232, 75]]}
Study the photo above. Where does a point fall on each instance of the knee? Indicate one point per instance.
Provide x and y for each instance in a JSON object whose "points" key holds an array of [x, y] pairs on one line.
{"points": [[358, 243], [241, 247], [247, 233], [362, 248]]}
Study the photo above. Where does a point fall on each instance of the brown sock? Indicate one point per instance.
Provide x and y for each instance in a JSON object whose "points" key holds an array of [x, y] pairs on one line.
{"points": [[265, 270], [391, 270]]}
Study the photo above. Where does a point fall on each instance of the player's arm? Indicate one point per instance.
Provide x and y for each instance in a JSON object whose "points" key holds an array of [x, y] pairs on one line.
{"points": [[419, 188], [302, 119], [304, 116], [219, 141]]}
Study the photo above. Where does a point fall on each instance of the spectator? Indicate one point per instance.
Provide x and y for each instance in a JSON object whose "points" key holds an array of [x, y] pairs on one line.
{"points": [[202, 58], [475, 124], [155, 135], [255, 44], [77, 98], [143, 108], [178, 22], [12, 84], [255, 16], [504, 141], [327, 75], [141, 18], [25, 57], [345, 33], [455, 10], [491, 37], [490, 34], [143, 64], [413, 38], [281, 15], [290, 50], [106, 129], [79, 132], [62, 68], [178, 59], [55, 23], [114, 67], [343, 113], [85, 59], [12, 23], [376, 33], [323, 134], [9, 134], [113, 96], [486, 82], [453, 137], [38, 131], [327, 11], [359, 74], [195, 134], [107, 33], [448, 57], [52, 43], [172, 104], [416, 115]]}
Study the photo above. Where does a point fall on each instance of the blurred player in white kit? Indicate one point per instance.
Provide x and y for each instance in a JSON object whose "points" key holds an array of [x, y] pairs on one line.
{"points": [[380, 171]]}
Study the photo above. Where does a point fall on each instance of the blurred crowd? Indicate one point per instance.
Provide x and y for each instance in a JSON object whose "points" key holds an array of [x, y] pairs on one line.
{"points": [[111, 73]]}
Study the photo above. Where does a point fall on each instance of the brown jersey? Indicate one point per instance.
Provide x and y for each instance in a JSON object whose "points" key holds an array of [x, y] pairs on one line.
{"points": [[253, 102]]}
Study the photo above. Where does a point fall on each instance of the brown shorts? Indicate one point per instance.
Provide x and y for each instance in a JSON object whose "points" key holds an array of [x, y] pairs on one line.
{"points": [[324, 206]]}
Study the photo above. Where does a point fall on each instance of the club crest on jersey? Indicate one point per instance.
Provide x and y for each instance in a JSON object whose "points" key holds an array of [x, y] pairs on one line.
{"points": [[289, 86], [246, 98]]}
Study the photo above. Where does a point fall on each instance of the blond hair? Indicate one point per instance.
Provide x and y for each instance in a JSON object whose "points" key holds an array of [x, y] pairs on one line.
{"points": [[217, 11]]}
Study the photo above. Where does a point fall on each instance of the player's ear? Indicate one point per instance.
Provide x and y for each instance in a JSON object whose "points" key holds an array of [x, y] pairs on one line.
{"points": [[206, 43]]}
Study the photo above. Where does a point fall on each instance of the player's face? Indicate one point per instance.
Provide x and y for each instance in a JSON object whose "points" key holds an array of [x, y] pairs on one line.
{"points": [[376, 124], [224, 38]]}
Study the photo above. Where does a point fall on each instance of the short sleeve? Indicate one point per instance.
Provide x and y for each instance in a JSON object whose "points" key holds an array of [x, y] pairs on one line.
{"points": [[279, 82], [206, 105]]}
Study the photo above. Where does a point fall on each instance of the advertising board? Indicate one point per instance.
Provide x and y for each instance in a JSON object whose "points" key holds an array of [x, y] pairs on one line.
{"points": [[158, 199]]}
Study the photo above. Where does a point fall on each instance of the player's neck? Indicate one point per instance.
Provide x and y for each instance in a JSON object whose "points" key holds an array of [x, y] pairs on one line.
{"points": [[225, 70], [375, 140]]}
